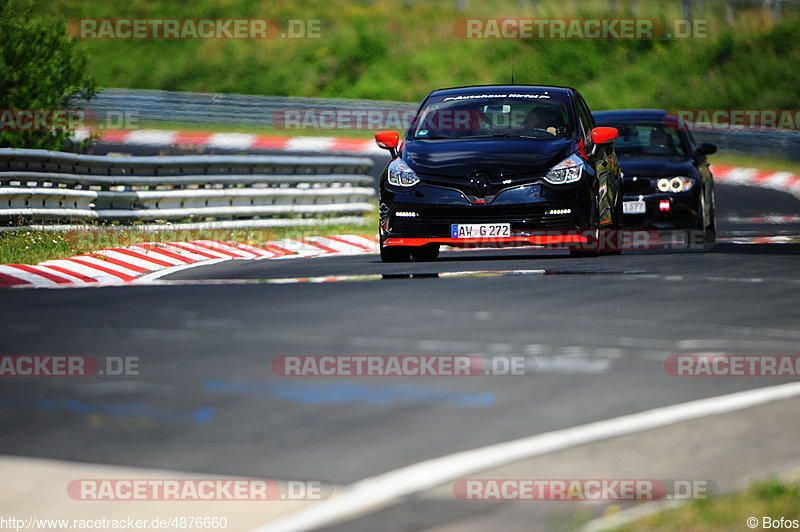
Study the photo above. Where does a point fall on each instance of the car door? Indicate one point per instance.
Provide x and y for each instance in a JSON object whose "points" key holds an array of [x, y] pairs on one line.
{"points": [[605, 163], [703, 166]]}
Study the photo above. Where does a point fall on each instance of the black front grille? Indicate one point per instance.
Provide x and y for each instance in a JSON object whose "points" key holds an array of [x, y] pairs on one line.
{"points": [[641, 186]]}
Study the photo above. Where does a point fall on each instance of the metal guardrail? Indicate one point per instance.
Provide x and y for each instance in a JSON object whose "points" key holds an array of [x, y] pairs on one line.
{"points": [[39, 185], [774, 144], [153, 106]]}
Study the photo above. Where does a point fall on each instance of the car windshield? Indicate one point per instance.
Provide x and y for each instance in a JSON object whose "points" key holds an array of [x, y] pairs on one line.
{"points": [[527, 115], [648, 139]]}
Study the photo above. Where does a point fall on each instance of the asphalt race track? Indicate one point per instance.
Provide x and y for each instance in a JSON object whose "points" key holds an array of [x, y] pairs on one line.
{"points": [[595, 333]]}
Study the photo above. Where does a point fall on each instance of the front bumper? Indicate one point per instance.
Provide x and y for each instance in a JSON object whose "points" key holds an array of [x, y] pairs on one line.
{"points": [[424, 215], [683, 211], [555, 238]]}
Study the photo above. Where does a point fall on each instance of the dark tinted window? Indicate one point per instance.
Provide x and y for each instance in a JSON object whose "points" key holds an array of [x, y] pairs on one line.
{"points": [[524, 114], [648, 139]]}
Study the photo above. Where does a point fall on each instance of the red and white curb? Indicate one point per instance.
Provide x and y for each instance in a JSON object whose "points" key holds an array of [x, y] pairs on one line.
{"points": [[147, 261], [234, 141], [781, 181], [732, 175]]}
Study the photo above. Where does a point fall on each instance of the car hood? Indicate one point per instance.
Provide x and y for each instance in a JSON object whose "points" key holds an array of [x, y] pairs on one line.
{"points": [[656, 166], [496, 156]]}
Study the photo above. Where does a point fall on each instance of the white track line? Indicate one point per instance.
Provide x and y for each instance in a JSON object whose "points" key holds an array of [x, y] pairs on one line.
{"points": [[382, 490], [166, 271]]}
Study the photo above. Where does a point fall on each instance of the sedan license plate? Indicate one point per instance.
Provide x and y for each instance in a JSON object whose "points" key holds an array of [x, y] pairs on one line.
{"points": [[634, 207], [480, 230]]}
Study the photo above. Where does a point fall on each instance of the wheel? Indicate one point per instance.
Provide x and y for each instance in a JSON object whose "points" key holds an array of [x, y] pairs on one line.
{"points": [[707, 223], [395, 253], [593, 226], [710, 236], [426, 253], [617, 224]]}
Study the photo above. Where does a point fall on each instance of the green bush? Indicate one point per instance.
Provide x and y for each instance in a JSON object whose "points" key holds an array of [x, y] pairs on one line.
{"points": [[41, 69]]}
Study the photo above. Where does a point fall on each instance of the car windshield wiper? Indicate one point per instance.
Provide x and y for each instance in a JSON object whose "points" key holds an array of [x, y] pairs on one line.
{"points": [[503, 136], [492, 136], [513, 136]]}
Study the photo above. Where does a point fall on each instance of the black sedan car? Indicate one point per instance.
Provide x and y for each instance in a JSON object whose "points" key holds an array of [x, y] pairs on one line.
{"points": [[498, 166], [667, 183]]}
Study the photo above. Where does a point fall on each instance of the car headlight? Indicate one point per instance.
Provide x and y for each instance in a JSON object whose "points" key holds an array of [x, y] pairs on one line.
{"points": [[399, 174], [675, 184], [567, 171]]}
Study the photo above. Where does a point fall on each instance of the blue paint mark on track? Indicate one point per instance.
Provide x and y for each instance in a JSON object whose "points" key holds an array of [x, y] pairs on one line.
{"points": [[132, 409], [347, 393]]}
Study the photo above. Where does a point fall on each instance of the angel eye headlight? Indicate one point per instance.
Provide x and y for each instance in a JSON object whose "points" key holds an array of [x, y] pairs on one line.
{"points": [[401, 175], [567, 171], [675, 184]]}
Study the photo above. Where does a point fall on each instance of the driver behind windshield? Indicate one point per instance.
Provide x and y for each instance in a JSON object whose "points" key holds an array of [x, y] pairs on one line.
{"points": [[543, 118], [661, 141]]}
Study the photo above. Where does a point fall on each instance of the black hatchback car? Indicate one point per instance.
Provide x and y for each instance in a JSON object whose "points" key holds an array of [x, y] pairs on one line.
{"points": [[667, 183], [498, 165]]}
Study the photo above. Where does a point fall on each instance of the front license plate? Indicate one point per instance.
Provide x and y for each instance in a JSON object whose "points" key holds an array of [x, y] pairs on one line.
{"points": [[480, 230], [634, 207]]}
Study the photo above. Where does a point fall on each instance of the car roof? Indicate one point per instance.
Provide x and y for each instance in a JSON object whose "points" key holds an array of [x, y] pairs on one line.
{"points": [[481, 89], [644, 116], [628, 115]]}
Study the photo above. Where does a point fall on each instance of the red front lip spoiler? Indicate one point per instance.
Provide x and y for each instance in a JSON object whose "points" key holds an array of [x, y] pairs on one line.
{"points": [[535, 240]]}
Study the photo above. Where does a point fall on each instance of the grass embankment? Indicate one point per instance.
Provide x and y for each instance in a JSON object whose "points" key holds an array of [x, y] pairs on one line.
{"points": [[771, 499], [23, 246], [400, 51]]}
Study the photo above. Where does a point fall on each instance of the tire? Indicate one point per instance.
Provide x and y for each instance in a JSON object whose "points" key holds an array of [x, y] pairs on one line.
{"points": [[594, 224], [711, 227], [395, 253], [707, 225], [617, 224], [426, 253]]}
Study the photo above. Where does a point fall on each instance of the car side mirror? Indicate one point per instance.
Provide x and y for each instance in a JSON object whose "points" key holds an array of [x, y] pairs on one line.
{"points": [[388, 140], [604, 135], [706, 148]]}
